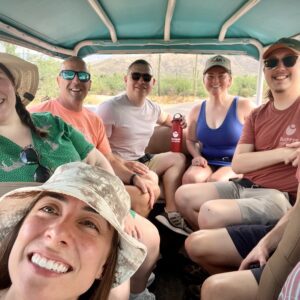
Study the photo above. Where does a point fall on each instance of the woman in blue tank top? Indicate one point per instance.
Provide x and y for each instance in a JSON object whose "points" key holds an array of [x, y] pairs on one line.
{"points": [[215, 126]]}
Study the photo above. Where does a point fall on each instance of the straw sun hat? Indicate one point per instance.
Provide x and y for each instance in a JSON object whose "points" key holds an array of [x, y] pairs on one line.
{"points": [[26, 76], [99, 189]]}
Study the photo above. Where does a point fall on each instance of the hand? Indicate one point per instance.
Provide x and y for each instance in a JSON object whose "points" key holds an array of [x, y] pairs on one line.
{"points": [[293, 156], [146, 187], [183, 123], [199, 161], [131, 228], [259, 254], [137, 167]]}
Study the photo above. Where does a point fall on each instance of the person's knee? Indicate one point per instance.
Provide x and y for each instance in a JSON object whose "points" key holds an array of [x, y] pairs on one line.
{"points": [[191, 177], [181, 199], [179, 160], [209, 217], [195, 245], [213, 288]]}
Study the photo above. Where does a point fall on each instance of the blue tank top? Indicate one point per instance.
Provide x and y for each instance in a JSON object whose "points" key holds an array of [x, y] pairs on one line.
{"points": [[219, 144]]}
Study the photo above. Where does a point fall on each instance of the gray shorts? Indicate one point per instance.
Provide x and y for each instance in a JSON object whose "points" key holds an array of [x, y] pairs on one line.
{"points": [[257, 205]]}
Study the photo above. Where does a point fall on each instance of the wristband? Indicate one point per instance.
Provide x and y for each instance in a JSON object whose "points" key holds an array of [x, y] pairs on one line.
{"points": [[132, 178]]}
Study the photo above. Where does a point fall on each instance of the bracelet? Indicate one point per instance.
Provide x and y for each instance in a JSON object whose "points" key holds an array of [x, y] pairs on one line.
{"points": [[131, 181]]}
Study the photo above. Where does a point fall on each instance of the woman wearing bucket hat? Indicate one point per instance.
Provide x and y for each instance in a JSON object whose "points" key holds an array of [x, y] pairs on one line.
{"points": [[215, 125], [65, 238], [28, 154], [33, 147]]}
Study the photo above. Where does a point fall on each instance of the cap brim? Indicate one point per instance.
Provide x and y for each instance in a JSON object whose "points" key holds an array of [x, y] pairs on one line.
{"points": [[13, 205], [274, 47]]}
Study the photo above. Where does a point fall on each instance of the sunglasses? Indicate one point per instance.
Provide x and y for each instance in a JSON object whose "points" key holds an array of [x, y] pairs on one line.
{"points": [[288, 61], [29, 156], [136, 76], [70, 75]]}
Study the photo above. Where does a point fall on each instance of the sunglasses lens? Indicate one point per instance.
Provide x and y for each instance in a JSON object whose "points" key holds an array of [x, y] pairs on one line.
{"points": [[41, 174], [136, 76], [147, 77], [84, 76], [271, 63], [289, 61], [67, 74], [29, 156]]}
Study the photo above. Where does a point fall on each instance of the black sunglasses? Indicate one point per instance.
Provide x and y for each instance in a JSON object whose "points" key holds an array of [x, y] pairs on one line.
{"points": [[288, 61], [136, 76], [70, 75], [29, 156]]}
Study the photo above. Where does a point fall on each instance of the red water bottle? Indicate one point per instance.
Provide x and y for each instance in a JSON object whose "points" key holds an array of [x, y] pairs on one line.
{"points": [[176, 137]]}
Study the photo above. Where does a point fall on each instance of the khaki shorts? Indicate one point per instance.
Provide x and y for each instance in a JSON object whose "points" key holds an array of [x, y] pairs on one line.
{"points": [[284, 259], [257, 205]]}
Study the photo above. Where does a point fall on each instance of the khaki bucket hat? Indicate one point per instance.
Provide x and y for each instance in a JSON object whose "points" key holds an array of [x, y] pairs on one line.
{"points": [[104, 192], [26, 76]]}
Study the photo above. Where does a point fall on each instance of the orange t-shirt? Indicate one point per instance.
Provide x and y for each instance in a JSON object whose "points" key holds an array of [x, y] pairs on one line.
{"points": [[85, 121], [268, 128]]}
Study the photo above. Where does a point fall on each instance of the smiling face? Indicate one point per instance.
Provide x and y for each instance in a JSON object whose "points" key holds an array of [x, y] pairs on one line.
{"points": [[281, 79], [217, 81], [73, 90], [7, 97], [138, 90], [60, 250]]}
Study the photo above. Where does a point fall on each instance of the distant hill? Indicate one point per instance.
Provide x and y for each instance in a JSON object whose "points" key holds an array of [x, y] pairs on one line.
{"points": [[172, 64]]}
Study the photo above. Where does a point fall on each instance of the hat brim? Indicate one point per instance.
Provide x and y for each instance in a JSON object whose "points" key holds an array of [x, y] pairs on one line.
{"points": [[216, 65], [274, 47], [13, 206], [26, 76]]}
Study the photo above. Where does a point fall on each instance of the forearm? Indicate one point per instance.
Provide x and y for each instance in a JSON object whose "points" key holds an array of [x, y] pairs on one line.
{"points": [[120, 169], [193, 148], [252, 161]]}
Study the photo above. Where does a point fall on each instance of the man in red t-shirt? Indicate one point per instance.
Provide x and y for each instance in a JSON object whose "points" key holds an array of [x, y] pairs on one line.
{"points": [[265, 155], [268, 149]]}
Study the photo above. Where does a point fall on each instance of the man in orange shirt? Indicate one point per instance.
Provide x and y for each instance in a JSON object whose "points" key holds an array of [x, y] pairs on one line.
{"points": [[142, 184]]}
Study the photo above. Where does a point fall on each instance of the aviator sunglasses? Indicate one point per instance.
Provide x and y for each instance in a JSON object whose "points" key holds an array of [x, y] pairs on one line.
{"points": [[136, 76], [288, 61], [29, 156], [70, 74]]}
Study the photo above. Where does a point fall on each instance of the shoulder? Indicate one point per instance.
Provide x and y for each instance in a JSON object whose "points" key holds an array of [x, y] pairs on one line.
{"points": [[43, 106], [46, 119], [194, 112], [245, 106]]}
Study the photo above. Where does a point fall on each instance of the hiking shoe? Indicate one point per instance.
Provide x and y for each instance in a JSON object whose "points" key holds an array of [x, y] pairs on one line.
{"points": [[144, 295], [174, 221]]}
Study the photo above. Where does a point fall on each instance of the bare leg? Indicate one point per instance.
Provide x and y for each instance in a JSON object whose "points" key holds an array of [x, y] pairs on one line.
{"points": [[140, 201], [219, 213], [230, 286], [196, 174], [190, 197], [150, 238], [213, 250], [171, 167]]}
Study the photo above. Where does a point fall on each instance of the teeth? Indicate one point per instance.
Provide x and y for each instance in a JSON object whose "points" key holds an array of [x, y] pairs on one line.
{"points": [[49, 264], [281, 77]]}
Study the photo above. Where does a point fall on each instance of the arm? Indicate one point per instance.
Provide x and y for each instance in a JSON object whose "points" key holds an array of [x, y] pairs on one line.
{"points": [[270, 242], [192, 143], [96, 158], [245, 156], [165, 119], [127, 176]]}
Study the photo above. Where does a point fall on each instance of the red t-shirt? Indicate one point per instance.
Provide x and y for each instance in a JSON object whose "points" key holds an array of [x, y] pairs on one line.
{"points": [[87, 122], [268, 128]]}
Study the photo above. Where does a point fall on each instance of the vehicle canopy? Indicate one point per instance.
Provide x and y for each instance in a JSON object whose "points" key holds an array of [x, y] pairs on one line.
{"points": [[82, 27]]}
